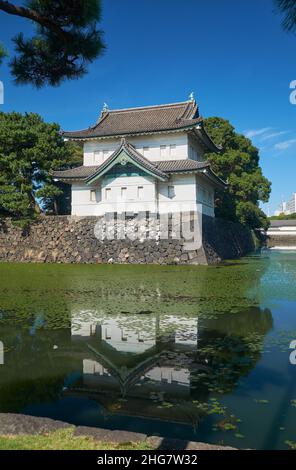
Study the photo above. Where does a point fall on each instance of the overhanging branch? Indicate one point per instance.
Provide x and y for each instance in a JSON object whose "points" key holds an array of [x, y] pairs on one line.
{"points": [[23, 12]]}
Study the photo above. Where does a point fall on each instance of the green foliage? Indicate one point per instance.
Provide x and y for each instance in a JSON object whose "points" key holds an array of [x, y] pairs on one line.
{"points": [[238, 164], [66, 41], [3, 52], [65, 440], [291, 444], [288, 8], [283, 216], [29, 150]]}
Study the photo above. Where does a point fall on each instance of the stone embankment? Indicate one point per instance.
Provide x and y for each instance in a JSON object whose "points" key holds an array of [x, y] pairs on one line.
{"points": [[17, 424], [68, 239]]}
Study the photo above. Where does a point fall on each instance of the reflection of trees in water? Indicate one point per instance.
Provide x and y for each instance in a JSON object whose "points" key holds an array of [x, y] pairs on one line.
{"points": [[228, 345], [231, 345], [33, 371]]}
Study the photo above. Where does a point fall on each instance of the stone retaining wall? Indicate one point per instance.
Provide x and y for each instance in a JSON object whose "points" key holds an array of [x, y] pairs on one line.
{"points": [[68, 239], [280, 240]]}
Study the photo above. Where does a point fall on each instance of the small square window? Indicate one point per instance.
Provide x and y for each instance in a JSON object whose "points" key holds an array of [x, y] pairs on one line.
{"points": [[108, 194], [140, 192], [173, 150], [171, 192], [93, 195], [163, 150], [123, 194]]}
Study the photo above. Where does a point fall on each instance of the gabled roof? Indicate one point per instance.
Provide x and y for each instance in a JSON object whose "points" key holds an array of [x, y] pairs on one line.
{"points": [[127, 152], [166, 167], [143, 120]]}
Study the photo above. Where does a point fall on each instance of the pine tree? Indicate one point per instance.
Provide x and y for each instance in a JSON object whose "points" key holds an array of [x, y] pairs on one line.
{"points": [[66, 40], [29, 150]]}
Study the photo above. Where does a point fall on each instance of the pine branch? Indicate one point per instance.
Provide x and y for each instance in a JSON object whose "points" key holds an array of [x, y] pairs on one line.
{"points": [[34, 16]]}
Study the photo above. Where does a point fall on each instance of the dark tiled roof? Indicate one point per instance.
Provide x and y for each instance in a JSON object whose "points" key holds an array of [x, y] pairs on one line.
{"points": [[80, 172], [160, 169], [177, 166], [163, 167], [135, 155], [129, 121]]}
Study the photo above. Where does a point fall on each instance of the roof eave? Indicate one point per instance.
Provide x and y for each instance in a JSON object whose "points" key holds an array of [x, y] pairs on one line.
{"points": [[131, 134], [192, 170], [206, 140], [69, 180], [210, 174]]}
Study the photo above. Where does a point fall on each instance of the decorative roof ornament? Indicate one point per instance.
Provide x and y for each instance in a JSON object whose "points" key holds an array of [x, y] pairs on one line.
{"points": [[104, 112], [123, 160], [191, 96]]}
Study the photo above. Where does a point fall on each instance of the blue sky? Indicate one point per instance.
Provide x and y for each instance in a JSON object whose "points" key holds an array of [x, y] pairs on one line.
{"points": [[232, 53]]}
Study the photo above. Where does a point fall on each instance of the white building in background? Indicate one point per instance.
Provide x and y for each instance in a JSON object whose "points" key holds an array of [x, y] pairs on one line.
{"points": [[291, 205], [281, 209], [288, 207], [149, 158]]}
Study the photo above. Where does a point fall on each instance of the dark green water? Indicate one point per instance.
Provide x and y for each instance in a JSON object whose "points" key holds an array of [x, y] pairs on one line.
{"points": [[199, 353]]}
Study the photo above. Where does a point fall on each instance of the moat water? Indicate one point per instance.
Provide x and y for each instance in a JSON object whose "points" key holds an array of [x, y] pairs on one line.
{"points": [[197, 353]]}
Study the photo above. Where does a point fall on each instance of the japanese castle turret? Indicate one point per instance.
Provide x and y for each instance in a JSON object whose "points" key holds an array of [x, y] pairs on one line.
{"points": [[149, 158]]}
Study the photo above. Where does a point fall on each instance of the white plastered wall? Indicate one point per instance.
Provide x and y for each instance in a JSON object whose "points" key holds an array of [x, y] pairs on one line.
{"points": [[132, 193], [179, 193], [205, 195], [150, 146], [184, 198]]}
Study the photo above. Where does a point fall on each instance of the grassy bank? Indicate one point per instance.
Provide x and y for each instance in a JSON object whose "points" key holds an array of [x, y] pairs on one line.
{"points": [[63, 440]]}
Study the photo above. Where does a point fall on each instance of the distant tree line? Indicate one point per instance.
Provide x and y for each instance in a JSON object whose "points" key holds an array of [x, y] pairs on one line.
{"points": [[283, 216]]}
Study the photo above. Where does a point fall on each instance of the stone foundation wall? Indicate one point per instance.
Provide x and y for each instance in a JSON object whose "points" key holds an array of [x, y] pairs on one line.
{"points": [[68, 239], [281, 240]]}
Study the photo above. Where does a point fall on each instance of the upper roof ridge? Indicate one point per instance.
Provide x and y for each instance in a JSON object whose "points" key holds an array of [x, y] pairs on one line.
{"points": [[181, 116], [136, 108]]}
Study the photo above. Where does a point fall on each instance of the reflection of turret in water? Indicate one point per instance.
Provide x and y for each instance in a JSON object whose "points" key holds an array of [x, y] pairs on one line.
{"points": [[172, 358], [142, 319], [127, 352]]}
